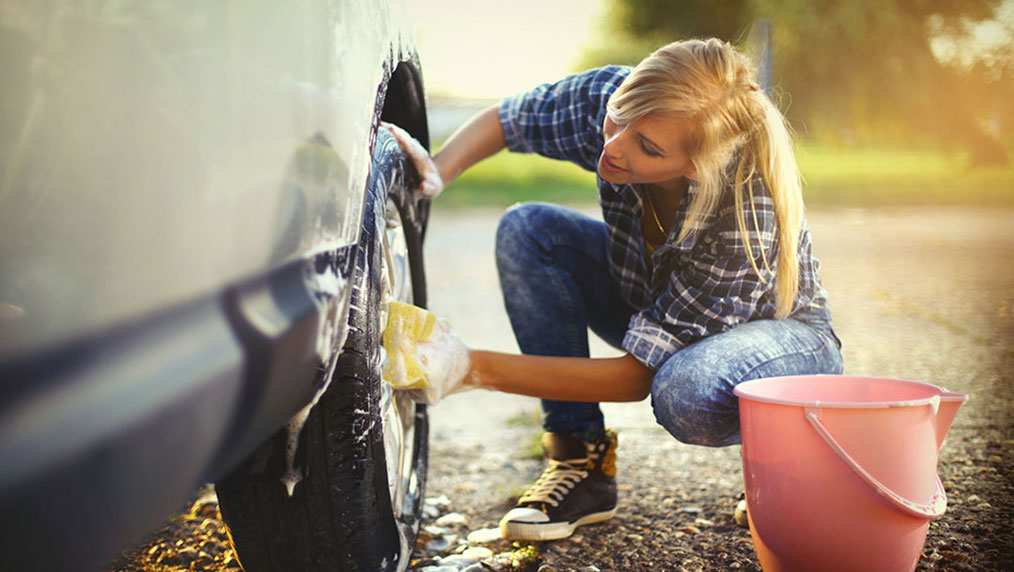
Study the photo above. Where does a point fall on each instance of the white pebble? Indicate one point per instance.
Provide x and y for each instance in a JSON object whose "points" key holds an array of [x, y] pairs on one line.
{"points": [[451, 519], [439, 544], [457, 560], [439, 502], [477, 567], [484, 535], [478, 552]]}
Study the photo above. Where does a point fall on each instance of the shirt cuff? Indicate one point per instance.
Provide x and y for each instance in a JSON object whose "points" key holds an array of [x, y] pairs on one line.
{"points": [[649, 342], [510, 110]]}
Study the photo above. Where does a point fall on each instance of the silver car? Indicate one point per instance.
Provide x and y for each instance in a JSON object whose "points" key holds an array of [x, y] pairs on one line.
{"points": [[201, 226]]}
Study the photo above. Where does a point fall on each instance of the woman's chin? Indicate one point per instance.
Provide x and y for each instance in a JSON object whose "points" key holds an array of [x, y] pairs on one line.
{"points": [[608, 178], [616, 178]]}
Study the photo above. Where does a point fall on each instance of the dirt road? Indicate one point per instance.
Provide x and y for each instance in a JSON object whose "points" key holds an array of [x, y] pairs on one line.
{"points": [[923, 293]]}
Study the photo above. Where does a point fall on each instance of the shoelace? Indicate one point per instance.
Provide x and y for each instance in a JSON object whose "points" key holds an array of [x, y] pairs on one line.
{"points": [[555, 481]]}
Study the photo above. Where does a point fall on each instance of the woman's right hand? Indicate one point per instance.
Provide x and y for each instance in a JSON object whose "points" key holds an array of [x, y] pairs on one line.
{"points": [[431, 182], [447, 363]]}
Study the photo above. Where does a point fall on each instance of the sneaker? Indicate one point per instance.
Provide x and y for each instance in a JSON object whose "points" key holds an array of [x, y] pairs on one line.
{"points": [[578, 487], [740, 515]]}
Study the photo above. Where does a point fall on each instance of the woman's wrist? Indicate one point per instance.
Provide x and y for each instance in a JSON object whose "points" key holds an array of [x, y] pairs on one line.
{"points": [[448, 172], [474, 377]]}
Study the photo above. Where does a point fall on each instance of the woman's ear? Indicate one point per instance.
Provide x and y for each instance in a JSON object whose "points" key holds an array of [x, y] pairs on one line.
{"points": [[691, 171]]}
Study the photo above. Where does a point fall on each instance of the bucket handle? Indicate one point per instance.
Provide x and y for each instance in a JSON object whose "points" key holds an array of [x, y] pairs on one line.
{"points": [[934, 508]]}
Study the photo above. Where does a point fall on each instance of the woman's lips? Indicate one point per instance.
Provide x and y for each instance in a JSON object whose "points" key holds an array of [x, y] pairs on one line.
{"points": [[609, 166]]}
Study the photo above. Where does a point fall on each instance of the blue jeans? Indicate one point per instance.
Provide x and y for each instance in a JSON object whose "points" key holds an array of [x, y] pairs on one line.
{"points": [[554, 274]]}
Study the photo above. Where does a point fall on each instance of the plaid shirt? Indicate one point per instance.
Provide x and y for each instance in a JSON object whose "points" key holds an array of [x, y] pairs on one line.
{"points": [[694, 288]]}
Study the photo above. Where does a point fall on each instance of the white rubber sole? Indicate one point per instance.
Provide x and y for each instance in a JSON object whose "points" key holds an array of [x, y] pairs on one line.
{"points": [[513, 530]]}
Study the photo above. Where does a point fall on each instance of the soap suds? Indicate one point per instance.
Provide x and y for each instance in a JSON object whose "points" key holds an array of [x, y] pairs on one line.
{"points": [[325, 286], [294, 427], [444, 359]]}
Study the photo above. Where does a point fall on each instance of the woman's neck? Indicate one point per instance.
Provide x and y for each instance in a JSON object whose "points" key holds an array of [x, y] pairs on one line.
{"points": [[665, 199], [659, 205]]}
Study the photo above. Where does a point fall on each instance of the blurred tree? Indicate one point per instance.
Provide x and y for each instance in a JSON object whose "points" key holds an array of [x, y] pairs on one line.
{"points": [[851, 65]]}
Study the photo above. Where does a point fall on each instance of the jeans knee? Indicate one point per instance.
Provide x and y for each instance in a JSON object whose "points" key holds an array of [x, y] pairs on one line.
{"points": [[689, 409], [515, 238], [512, 221]]}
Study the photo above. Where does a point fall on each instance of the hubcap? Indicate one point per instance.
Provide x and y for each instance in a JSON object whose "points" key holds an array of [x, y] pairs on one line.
{"points": [[397, 409]]}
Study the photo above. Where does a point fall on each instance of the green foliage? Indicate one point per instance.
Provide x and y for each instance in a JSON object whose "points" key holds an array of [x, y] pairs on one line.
{"points": [[835, 175], [533, 446], [524, 557], [880, 176], [684, 18], [507, 178], [850, 67], [527, 418]]}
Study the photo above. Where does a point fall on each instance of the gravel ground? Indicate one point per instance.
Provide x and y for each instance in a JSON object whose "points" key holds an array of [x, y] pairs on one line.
{"points": [[924, 294]]}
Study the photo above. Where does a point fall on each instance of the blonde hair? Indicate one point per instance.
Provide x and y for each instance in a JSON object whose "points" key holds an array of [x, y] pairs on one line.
{"points": [[734, 130]]}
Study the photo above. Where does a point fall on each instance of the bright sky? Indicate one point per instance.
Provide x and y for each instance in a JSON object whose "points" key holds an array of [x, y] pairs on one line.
{"points": [[986, 36], [494, 48]]}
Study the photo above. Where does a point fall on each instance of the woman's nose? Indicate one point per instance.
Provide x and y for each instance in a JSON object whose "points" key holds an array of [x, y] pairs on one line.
{"points": [[615, 133], [614, 142]]}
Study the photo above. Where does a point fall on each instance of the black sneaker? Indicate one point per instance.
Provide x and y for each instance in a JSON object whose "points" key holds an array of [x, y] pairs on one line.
{"points": [[578, 487]]}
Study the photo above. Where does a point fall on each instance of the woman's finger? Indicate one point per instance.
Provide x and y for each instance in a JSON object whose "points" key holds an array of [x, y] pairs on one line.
{"points": [[432, 183]]}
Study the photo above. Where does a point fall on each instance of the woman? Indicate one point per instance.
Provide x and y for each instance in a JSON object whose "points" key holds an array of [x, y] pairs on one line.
{"points": [[701, 271]]}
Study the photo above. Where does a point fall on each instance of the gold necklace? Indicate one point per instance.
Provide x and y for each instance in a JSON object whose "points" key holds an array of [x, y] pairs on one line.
{"points": [[654, 215]]}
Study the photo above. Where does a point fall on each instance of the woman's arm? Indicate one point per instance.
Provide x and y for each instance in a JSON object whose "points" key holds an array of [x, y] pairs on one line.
{"points": [[478, 138], [561, 378]]}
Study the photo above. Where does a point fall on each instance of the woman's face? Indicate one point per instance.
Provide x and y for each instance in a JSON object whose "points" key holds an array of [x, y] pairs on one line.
{"points": [[647, 150]]}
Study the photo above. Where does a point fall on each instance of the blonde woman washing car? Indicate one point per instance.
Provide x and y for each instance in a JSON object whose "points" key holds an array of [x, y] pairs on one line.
{"points": [[701, 269]]}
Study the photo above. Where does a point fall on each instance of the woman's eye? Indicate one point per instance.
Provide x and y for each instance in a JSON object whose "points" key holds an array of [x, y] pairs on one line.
{"points": [[648, 151]]}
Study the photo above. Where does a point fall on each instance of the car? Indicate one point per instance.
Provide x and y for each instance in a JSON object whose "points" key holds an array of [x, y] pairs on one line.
{"points": [[202, 224]]}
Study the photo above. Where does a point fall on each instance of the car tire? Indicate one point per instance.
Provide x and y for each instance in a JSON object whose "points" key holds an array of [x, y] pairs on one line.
{"points": [[345, 513]]}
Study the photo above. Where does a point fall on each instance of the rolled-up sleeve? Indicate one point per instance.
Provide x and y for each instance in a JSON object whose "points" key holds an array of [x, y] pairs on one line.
{"points": [[649, 342], [562, 120], [710, 287]]}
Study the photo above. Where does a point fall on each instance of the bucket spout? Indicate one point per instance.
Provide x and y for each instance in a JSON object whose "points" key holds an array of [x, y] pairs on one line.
{"points": [[950, 402]]}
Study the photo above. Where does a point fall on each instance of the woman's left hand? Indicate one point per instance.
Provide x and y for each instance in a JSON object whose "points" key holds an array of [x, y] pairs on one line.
{"points": [[431, 182]]}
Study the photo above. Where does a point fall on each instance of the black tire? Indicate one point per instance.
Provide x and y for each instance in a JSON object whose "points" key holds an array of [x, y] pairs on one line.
{"points": [[340, 516]]}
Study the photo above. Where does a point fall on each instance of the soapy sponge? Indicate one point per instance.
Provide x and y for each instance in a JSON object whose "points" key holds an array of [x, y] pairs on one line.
{"points": [[407, 325]]}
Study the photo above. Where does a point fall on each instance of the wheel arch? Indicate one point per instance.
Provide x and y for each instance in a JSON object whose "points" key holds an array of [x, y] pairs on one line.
{"points": [[403, 100]]}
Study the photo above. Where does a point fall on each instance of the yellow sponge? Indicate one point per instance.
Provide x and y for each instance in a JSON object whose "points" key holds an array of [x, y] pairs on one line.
{"points": [[406, 326]]}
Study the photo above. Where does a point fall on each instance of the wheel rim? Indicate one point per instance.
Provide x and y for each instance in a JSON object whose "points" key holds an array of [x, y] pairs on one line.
{"points": [[397, 410]]}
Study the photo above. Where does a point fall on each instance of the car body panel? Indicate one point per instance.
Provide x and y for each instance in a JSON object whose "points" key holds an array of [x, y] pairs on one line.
{"points": [[155, 150], [101, 440], [181, 192]]}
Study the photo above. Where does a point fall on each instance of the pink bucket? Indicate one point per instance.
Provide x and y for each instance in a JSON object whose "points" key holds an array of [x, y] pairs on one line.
{"points": [[841, 471]]}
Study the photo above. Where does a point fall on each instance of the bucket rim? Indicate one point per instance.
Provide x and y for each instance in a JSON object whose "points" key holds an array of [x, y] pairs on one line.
{"points": [[743, 392]]}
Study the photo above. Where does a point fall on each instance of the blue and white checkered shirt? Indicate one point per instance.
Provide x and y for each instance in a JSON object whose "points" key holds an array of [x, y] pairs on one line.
{"points": [[693, 288]]}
